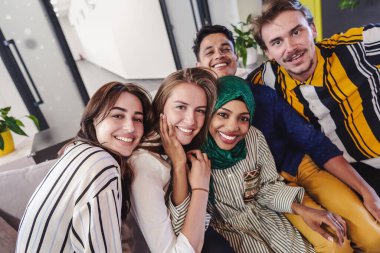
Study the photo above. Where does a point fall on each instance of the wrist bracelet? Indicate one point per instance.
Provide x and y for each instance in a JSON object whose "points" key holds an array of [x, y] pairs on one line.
{"points": [[200, 189]]}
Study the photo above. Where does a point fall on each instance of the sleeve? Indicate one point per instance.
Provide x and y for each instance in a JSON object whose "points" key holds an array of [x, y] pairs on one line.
{"points": [[303, 135], [178, 213], [96, 225], [149, 208], [273, 192], [371, 40]]}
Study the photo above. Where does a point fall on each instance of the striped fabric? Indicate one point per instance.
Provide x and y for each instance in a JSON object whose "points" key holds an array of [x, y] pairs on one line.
{"points": [[77, 206], [256, 225], [178, 214], [342, 97]]}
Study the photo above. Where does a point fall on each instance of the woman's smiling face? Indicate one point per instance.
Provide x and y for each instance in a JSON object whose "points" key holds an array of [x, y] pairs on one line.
{"points": [[185, 109], [230, 124]]}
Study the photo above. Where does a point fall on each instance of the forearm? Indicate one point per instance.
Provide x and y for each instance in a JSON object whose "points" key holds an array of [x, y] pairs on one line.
{"points": [[340, 168], [194, 227], [180, 186]]}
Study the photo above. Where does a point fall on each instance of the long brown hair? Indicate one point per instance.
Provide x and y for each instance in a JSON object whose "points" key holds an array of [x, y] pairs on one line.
{"points": [[100, 105], [202, 77]]}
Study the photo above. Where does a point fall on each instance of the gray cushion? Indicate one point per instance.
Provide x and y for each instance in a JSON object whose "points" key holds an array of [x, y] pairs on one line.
{"points": [[8, 237]]}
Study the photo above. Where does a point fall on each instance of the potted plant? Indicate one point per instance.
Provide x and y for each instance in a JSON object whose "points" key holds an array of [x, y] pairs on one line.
{"points": [[244, 40], [7, 124]]}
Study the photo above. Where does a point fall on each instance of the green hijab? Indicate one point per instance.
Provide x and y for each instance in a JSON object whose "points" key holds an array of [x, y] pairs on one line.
{"points": [[229, 88]]}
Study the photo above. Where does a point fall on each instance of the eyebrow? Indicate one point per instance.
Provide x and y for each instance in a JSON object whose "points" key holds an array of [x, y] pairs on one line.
{"points": [[211, 46], [125, 110], [225, 109], [184, 103]]}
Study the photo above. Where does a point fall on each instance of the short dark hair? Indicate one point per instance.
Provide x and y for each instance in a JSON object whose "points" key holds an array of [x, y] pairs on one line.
{"points": [[273, 8], [207, 30]]}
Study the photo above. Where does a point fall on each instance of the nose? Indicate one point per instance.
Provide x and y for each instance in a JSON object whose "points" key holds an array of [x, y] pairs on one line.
{"points": [[129, 126], [189, 117], [291, 44], [219, 53], [232, 125]]}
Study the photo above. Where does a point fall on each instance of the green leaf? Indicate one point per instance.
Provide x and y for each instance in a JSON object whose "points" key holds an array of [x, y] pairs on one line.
{"points": [[35, 121], [4, 111], [248, 21], [19, 123], [348, 4], [1, 142], [12, 125]]}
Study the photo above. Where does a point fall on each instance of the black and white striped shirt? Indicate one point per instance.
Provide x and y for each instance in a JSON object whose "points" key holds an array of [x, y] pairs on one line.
{"points": [[249, 200], [77, 206]]}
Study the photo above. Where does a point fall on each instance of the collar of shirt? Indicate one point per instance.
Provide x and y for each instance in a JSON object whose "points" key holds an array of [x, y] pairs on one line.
{"points": [[316, 79]]}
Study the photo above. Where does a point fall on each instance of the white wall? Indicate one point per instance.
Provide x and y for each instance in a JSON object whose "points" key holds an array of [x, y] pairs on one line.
{"points": [[72, 38], [128, 38], [247, 7], [224, 12]]}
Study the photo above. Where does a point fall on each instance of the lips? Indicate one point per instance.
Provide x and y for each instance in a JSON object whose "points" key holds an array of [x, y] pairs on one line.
{"points": [[220, 65], [125, 139], [186, 131], [294, 57], [228, 138]]}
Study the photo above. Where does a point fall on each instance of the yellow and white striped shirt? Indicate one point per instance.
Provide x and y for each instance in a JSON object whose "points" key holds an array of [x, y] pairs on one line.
{"points": [[342, 97]]}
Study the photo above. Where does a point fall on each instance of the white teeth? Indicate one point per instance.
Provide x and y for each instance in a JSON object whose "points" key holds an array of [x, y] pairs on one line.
{"points": [[124, 139], [185, 130], [227, 136], [220, 65]]}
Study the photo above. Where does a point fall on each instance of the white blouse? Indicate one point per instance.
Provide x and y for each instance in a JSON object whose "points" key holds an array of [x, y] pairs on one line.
{"points": [[149, 187]]}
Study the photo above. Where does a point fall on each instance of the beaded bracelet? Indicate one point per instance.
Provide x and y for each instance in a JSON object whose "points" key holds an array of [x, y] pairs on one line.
{"points": [[200, 189]]}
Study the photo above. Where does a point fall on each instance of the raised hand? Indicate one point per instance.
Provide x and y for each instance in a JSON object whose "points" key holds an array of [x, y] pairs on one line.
{"points": [[200, 170], [172, 146]]}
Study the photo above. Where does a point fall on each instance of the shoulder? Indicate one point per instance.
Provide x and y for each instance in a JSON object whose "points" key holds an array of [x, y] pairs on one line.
{"points": [[145, 162], [85, 153], [254, 135], [263, 93], [367, 34]]}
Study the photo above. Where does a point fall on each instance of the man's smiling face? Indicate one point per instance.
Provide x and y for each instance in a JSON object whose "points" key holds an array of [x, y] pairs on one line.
{"points": [[217, 53]]}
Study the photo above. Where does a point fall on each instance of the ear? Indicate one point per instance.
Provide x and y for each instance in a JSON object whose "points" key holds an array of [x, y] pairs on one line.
{"points": [[314, 30], [198, 64]]}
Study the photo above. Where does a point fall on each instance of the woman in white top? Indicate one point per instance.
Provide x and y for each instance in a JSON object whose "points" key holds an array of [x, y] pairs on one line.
{"points": [[182, 109], [79, 204]]}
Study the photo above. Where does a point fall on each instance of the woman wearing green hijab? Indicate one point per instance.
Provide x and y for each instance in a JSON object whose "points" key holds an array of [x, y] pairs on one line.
{"points": [[247, 196]]}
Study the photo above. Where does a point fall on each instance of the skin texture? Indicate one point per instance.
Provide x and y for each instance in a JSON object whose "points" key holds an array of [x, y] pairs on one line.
{"points": [[217, 53], [290, 42], [121, 130], [185, 111], [230, 124]]}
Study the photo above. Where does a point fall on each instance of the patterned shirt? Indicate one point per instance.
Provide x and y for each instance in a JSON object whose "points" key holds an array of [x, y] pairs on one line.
{"points": [[249, 200], [77, 206], [342, 96]]}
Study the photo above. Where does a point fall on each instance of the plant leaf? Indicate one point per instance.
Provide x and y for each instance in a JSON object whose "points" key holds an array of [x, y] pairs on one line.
{"points": [[1, 142], [35, 120], [12, 125], [4, 111]]}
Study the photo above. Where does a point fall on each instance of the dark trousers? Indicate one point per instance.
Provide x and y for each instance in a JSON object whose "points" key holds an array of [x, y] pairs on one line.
{"points": [[370, 174], [215, 243]]}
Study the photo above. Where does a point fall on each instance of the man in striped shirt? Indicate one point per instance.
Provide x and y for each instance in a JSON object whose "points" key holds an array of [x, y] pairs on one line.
{"points": [[334, 83], [290, 137]]}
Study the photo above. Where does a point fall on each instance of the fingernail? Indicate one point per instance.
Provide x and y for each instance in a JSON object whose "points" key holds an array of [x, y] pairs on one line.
{"points": [[330, 239]]}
